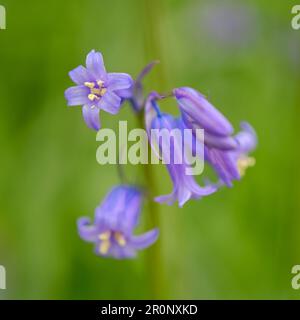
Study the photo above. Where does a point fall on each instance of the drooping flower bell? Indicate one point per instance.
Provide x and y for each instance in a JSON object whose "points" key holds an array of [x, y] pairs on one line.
{"points": [[231, 165], [115, 221], [226, 153], [197, 112], [185, 186], [97, 90]]}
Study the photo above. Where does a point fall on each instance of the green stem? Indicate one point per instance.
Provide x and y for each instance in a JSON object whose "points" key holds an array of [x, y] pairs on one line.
{"points": [[154, 257], [152, 16]]}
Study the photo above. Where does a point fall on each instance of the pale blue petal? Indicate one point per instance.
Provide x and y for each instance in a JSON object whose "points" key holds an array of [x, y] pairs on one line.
{"points": [[110, 102], [91, 117], [119, 81], [95, 65], [144, 240], [77, 96], [80, 75]]}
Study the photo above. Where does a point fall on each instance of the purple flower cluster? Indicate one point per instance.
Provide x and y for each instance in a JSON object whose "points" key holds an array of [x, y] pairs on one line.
{"points": [[227, 153]]}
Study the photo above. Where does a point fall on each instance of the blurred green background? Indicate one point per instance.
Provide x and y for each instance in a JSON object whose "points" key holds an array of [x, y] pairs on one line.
{"points": [[239, 243]]}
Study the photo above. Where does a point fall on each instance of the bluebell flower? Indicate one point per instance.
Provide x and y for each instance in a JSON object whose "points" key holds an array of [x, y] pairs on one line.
{"points": [[97, 90], [198, 112], [226, 153], [114, 223], [185, 186]]}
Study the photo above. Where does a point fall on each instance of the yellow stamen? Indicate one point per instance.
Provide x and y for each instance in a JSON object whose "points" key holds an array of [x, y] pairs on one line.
{"points": [[92, 97], [100, 83], [244, 163], [120, 239], [96, 91], [104, 246], [90, 85], [102, 91], [104, 235]]}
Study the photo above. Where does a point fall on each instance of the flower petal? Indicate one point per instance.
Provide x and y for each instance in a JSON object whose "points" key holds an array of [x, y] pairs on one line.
{"points": [[77, 95], [126, 252], [196, 189], [86, 230], [168, 198], [124, 93], [119, 81], [184, 195], [198, 111], [222, 143], [120, 209], [132, 211], [224, 163], [79, 75], [246, 138], [91, 117], [144, 240], [95, 65], [185, 187], [110, 102]]}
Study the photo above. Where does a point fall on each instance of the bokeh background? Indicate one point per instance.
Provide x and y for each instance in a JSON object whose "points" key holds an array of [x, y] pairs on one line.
{"points": [[239, 243]]}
